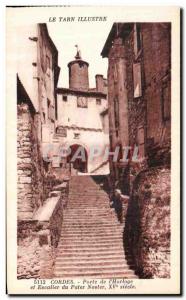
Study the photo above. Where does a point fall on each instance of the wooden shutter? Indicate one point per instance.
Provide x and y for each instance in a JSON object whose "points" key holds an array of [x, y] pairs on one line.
{"points": [[141, 141], [137, 80]]}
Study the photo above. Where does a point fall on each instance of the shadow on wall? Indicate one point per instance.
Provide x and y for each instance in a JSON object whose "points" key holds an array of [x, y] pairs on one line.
{"points": [[147, 230], [102, 181]]}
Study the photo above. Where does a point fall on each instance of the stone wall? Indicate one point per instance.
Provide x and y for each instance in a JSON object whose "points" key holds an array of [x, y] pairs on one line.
{"points": [[39, 206], [38, 237], [157, 51], [30, 172], [147, 231]]}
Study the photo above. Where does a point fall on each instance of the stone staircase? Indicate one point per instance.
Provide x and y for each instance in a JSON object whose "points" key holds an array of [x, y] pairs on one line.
{"points": [[91, 243]]}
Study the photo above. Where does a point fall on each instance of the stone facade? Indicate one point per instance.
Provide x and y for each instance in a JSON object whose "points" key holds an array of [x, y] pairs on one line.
{"points": [[83, 116], [147, 231], [30, 171], [39, 210], [139, 96], [38, 237]]}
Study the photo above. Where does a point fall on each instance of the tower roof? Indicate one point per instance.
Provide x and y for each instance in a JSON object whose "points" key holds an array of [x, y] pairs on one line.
{"points": [[78, 58], [78, 54]]}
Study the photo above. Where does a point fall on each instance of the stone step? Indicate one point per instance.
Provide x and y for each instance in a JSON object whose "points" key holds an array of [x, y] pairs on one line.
{"points": [[91, 217], [93, 232], [86, 201], [91, 242], [89, 210], [91, 237], [88, 216], [109, 227], [76, 206], [88, 242], [88, 195], [87, 191], [98, 225], [87, 250], [83, 192], [92, 269], [90, 265], [87, 223], [96, 276], [108, 272], [99, 205], [90, 261], [110, 219], [91, 225], [88, 236], [90, 257], [89, 204], [96, 202]]}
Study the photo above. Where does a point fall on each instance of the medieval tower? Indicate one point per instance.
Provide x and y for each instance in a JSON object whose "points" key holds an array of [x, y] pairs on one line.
{"points": [[82, 118], [78, 73]]}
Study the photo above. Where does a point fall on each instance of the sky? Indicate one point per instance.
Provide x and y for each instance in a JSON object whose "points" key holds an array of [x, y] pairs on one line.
{"points": [[90, 37]]}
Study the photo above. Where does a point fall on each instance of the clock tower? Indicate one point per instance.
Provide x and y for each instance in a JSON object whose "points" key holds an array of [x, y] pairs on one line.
{"points": [[78, 73]]}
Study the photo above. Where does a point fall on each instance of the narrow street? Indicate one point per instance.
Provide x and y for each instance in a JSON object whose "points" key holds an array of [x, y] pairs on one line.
{"points": [[91, 242], [94, 152]]}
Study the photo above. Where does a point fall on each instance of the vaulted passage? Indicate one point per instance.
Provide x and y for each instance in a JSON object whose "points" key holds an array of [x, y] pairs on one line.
{"points": [[91, 242], [78, 158]]}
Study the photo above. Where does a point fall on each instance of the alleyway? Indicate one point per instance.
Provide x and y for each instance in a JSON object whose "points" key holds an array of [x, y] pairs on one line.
{"points": [[91, 238]]}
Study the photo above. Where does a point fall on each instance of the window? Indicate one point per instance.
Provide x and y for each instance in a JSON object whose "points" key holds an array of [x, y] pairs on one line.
{"points": [[44, 120], [141, 141], [64, 98], [165, 103], [48, 103], [62, 131], [48, 61], [76, 135], [137, 39], [82, 102], [48, 108], [116, 114], [115, 73], [137, 80], [51, 113], [98, 101]]}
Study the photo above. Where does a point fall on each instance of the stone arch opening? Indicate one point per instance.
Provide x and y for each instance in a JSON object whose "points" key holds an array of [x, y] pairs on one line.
{"points": [[78, 158]]}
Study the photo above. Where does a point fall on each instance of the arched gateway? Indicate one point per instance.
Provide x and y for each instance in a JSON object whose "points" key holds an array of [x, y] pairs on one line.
{"points": [[78, 158]]}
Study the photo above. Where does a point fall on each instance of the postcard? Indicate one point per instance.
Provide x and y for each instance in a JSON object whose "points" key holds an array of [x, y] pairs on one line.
{"points": [[93, 143]]}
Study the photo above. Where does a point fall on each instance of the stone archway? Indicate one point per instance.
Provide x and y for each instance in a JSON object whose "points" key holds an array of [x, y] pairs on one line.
{"points": [[81, 158]]}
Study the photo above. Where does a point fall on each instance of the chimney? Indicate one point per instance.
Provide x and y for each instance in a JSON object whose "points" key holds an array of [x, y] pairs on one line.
{"points": [[99, 83]]}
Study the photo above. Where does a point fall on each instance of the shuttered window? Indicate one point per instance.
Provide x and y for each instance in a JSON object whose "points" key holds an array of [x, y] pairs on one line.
{"points": [[137, 39], [137, 80], [116, 112], [166, 103], [141, 141]]}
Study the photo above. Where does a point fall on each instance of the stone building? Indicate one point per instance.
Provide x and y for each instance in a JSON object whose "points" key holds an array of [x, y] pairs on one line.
{"points": [[139, 102], [82, 118], [49, 117], [36, 98], [39, 214]]}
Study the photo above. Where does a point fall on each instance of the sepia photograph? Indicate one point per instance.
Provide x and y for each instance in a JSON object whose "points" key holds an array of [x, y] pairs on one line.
{"points": [[93, 127]]}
